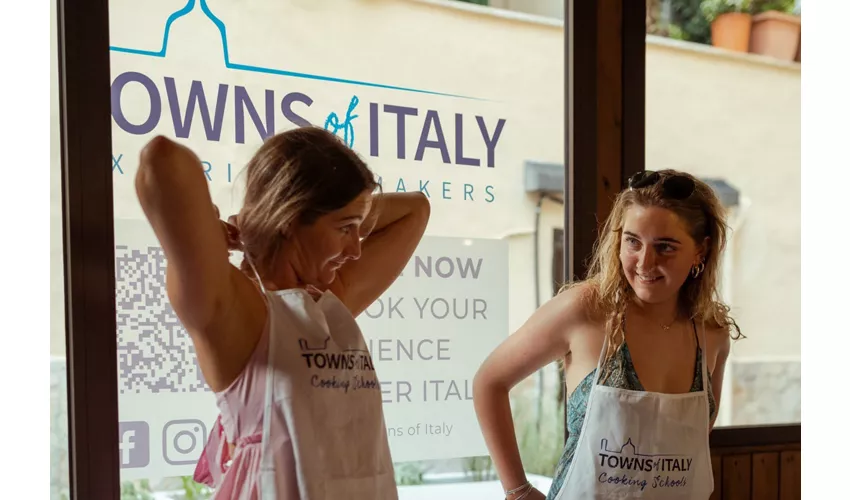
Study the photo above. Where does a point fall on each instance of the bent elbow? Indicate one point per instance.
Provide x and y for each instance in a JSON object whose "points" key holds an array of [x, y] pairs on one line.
{"points": [[479, 389], [156, 149], [423, 205], [483, 384]]}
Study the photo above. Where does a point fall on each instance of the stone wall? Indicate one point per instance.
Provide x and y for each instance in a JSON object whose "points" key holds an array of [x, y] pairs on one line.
{"points": [[765, 392]]}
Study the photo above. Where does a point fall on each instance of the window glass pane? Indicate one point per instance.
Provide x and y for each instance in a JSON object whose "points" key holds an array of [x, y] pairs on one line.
{"points": [[460, 101], [730, 114], [59, 472]]}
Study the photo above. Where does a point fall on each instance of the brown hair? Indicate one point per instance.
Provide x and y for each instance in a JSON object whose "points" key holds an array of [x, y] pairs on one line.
{"points": [[296, 177], [699, 298]]}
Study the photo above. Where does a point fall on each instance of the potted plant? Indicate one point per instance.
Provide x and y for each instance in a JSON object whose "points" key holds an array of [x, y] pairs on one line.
{"points": [[776, 29], [730, 23]]}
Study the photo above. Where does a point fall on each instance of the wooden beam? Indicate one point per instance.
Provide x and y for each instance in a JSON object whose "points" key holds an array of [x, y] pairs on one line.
{"points": [[609, 45], [89, 262], [584, 132], [609, 104], [634, 89]]}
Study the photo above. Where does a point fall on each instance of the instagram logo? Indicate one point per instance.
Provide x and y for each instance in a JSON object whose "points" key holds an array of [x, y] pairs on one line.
{"points": [[183, 440], [134, 444]]}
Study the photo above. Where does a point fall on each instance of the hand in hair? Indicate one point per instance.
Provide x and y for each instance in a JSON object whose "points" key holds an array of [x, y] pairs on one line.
{"points": [[391, 233], [231, 231]]}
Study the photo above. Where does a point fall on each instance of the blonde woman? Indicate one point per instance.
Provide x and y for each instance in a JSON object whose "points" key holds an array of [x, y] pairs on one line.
{"points": [[644, 341]]}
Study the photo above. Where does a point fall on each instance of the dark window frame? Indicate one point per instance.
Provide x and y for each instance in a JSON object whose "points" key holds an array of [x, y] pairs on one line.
{"points": [[88, 245]]}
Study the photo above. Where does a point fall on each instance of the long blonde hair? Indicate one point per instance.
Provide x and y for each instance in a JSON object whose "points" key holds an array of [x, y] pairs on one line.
{"points": [[610, 292]]}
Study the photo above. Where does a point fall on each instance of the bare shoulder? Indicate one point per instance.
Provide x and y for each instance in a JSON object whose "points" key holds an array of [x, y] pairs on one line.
{"points": [[576, 306], [545, 337], [581, 300], [556, 322], [718, 338]]}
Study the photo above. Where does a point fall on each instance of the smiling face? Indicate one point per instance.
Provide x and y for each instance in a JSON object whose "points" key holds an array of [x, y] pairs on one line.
{"points": [[656, 253], [317, 250]]}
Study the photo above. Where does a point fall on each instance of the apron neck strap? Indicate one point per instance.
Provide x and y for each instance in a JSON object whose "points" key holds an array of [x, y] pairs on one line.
{"points": [[703, 353], [601, 361], [253, 268]]}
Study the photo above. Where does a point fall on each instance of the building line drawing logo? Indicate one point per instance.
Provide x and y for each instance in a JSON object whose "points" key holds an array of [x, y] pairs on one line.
{"points": [[222, 29], [603, 445], [305, 346]]}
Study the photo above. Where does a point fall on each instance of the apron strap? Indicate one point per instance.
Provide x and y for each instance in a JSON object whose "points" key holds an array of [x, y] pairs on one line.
{"points": [[268, 488], [601, 359], [253, 268], [267, 462], [704, 356]]}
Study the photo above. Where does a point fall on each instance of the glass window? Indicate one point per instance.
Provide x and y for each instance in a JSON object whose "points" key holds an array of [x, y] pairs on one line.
{"points": [[423, 92], [724, 104], [59, 471]]}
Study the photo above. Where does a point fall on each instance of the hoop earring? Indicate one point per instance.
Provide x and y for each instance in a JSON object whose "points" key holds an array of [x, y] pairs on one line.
{"points": [[697, 270]]}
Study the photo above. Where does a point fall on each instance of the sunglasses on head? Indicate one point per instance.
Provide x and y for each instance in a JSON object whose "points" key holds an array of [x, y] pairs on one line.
{"points": [[675, 187]]}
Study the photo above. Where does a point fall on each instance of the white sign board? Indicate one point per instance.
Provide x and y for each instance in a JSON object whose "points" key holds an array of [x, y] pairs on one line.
{"points": [[428, 334]]}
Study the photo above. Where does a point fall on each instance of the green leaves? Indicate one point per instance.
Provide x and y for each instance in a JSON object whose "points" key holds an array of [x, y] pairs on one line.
{"points": [[712, 9]]}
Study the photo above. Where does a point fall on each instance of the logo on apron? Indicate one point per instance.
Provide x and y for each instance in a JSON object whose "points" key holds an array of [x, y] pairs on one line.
{"points": [[358, 361], [626, 466]]}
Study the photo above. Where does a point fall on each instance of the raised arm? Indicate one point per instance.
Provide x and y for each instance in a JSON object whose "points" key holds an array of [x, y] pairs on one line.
{"points": [[174, 195], [397, 223], [543, 339], [200, 281]]}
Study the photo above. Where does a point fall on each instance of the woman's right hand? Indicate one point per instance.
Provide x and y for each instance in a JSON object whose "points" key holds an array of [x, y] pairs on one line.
{"points": [[533, 494], [231, 231]]}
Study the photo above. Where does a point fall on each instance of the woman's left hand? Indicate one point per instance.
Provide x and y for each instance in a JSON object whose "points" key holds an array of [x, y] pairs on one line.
{"points": [[231, 231]]}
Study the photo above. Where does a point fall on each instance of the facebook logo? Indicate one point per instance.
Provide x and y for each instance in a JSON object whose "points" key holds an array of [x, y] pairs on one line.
{"points": [[134, 444]]}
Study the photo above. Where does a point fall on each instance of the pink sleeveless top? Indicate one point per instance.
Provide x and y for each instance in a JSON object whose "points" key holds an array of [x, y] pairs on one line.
{"points": [[240, 422]]}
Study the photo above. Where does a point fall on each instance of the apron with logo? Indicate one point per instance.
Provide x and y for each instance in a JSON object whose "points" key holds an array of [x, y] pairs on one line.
{"points": [[636, 444], [322, 393]]}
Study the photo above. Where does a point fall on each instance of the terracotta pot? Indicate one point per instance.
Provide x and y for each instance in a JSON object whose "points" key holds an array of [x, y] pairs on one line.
{"points": [[776, 34], [731, 31]]}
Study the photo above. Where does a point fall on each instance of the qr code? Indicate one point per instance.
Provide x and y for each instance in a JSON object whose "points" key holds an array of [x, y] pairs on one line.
{"points": [[155, 354]]}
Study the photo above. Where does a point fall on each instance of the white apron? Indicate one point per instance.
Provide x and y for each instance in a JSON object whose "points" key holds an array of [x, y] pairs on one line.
{"points": [[636, 444], [322, 394]]}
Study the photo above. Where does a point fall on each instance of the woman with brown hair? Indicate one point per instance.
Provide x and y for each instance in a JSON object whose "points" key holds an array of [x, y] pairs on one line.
{"points": [[276, 340], [643, 341]]}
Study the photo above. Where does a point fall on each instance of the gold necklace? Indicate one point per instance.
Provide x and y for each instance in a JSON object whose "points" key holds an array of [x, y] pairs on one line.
{"points": [[668, 326]]}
